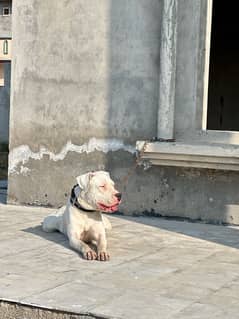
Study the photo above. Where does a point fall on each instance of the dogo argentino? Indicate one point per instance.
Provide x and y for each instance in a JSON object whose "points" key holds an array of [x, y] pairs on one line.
{"points": [[81, 219]]}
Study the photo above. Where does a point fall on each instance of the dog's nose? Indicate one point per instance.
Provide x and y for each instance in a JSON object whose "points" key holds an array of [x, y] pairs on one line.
{"points": [[118, 195]]}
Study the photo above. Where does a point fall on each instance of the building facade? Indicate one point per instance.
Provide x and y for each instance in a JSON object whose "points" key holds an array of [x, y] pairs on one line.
{"points": [[91, 79], [5, 70]]}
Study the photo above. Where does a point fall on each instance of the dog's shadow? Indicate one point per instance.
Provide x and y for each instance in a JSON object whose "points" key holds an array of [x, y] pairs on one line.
{"points": [[55, 237]]}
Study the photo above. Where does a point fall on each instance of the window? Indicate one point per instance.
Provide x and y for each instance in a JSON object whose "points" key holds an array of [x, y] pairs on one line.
{"points": [[6, 11], [5, 49], [223, 92], [204, 134]]}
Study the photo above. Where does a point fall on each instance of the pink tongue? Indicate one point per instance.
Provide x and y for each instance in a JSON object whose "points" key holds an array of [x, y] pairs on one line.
{"points": [[114, 208], [110, 208]]}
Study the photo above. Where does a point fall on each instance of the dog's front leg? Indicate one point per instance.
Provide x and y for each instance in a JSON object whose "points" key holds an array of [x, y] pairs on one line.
{"points": [[82, 247], [102, 248]]}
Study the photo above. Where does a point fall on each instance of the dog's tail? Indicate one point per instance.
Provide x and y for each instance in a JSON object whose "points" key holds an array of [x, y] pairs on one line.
{"points": [[52, 223]]}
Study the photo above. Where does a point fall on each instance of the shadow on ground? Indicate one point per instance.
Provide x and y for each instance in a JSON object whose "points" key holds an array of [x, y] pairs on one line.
{"points": [[219, 234], [55, 237], [223, 235]]}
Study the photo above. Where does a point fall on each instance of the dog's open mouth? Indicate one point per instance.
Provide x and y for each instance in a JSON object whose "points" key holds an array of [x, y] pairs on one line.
{"points": [[109, 209]]}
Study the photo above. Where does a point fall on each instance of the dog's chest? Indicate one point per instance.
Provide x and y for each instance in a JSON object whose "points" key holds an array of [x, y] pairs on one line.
{"points": [[88, 226]]}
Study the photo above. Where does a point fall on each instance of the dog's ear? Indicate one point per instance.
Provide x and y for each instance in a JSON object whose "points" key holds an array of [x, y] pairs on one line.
{"points": [[104, 173], [84, 179]]}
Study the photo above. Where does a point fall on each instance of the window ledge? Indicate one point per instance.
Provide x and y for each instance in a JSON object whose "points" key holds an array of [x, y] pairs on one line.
{"points": [[214, 156]]}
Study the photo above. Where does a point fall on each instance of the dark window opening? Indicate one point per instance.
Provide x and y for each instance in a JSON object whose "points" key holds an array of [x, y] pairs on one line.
{"points": [[223, 91], [6, 11]]}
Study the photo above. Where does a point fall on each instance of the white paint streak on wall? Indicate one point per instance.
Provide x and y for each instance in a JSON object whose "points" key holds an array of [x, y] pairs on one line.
{"points": [[24, 170], [22, 154]]}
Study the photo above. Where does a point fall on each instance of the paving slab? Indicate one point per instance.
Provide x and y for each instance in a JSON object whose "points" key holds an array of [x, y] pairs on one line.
{"points": [[159, 268]]}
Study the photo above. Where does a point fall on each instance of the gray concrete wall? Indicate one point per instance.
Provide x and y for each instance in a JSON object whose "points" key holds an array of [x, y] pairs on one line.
{"points": [[82, 70], [85, 88]]}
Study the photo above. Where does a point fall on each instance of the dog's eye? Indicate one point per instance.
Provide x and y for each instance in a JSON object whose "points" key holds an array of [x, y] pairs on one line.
{"points": [[102, 186]]}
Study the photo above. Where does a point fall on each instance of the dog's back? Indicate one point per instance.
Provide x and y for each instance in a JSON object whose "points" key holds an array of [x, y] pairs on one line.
{"points": [[53, 223]]}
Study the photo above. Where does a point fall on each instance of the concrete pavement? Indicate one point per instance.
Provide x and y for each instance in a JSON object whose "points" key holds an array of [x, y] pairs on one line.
{"points": [[158, 269]]}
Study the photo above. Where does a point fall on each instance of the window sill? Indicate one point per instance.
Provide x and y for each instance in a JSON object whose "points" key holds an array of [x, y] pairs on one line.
{"points": [[213, 156]]}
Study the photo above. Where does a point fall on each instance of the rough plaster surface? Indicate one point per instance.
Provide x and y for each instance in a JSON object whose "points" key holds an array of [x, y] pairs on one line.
{"points": [[22, 154], [83, 69], [88, 69], [187, 66], [189, 193]]}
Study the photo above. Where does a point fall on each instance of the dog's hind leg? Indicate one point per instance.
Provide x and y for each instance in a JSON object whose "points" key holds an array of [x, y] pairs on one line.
{"points": [[52, 223]]}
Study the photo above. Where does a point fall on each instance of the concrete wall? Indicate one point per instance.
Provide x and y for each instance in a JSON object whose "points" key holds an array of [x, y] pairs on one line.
{"points": [[82, 70], [85, 88]]}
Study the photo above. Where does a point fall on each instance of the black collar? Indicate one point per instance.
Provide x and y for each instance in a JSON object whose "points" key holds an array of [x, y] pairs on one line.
{"points": [[74, 201]]}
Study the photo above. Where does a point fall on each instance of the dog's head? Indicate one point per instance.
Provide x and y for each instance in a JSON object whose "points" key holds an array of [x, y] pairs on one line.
{"points": [[97, 192]]}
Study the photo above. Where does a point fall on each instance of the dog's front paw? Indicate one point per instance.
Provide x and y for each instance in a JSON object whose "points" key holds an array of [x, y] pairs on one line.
{"points": [[90, 255], [103, 256]]}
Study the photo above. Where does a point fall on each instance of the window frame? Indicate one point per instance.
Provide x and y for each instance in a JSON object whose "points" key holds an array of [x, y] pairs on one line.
{"points": [[5, 57], [188, 126], [3, 11], [202, 133]]}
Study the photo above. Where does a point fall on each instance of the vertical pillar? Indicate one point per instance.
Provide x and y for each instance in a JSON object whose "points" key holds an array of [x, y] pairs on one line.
{"points": [[167, 70], [206, 55]]}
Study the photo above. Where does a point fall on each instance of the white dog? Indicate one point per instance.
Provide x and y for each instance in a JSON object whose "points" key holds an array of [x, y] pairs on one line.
{"points": [[81, 219]]}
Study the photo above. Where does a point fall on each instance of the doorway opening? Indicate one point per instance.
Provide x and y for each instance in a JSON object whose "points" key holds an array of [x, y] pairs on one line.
{"points": [[223, 90]]}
